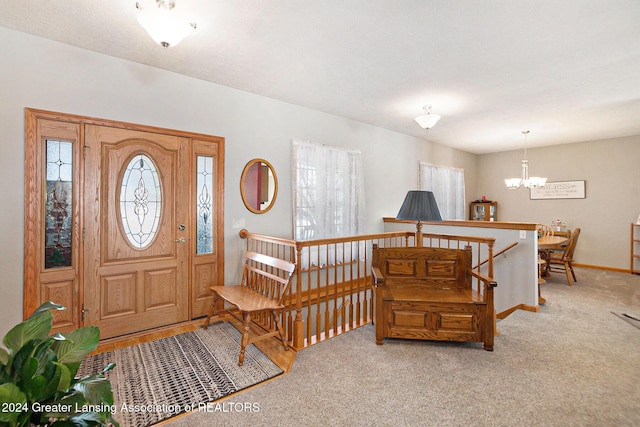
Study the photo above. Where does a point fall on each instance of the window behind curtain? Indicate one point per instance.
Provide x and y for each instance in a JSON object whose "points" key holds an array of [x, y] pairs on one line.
{"points": [[328, 191], [447, 185]]}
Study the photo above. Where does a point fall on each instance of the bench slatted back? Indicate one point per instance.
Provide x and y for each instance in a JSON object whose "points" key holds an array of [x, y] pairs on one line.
{"points": [[267, 275]]}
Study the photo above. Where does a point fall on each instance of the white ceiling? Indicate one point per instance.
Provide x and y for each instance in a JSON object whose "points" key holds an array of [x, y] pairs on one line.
{"points": [[567, 70]]}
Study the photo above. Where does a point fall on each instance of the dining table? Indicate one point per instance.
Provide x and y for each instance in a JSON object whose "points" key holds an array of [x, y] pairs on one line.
{"points": [[548, 243]]}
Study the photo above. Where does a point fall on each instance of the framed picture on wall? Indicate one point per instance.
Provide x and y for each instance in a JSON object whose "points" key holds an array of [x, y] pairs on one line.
{"points": [[559, 190]]}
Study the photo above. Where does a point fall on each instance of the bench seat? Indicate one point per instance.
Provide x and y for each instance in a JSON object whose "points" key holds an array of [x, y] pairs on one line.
{"points": [[427, 293]]}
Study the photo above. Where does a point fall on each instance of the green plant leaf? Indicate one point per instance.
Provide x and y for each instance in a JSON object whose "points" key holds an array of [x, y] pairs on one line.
{"points": [[11, 394], [58, 336], [109, 367], [36, 327], [57, 382], [73, 368], [49, 305], [77, 345], [4, 357], [32, 369], [36, 388], [72, 398], [45, 356], [37, 349], [64, 379], [24, 364], [96, 389], [28, 369]]}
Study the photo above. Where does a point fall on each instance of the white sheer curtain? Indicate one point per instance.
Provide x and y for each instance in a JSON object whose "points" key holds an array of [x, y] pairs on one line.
{"points": [[447, 185], [328, 191]]}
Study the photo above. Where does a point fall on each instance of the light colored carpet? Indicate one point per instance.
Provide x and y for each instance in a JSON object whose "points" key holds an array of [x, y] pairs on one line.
{"points": [[573, 363], [631, 318]]}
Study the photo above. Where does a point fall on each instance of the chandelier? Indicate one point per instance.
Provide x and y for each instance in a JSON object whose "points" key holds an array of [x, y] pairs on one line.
{"points": [[166, 25], [528, 182]]}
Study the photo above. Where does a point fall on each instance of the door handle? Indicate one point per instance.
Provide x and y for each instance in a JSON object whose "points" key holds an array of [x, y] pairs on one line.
{"points": [[180, 240]]}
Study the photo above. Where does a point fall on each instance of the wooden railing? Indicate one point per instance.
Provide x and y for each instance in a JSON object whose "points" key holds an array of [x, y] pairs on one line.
{"points": [[331, 292]]}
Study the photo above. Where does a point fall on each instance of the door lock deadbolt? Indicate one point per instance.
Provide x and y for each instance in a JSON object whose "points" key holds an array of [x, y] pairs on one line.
{"points": [[182, 227]]}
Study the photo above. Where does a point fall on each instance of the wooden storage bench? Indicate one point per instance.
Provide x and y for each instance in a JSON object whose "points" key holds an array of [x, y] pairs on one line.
{"points": [[427, 293]]}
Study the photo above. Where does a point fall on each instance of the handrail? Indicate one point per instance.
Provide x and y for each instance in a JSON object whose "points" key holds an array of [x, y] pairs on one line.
{"points": [[474, 239], [500, 252], [245, 234], [376, 236], [349, 239]]}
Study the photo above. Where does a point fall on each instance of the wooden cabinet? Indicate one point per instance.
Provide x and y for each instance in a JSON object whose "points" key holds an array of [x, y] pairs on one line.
{"points": [[427, 294], [483, 211], [635, 248]]}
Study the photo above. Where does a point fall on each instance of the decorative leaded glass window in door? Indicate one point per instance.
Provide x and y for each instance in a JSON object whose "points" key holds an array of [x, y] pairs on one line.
{"points": [[140, 201], [59, 203], [204, 202]]}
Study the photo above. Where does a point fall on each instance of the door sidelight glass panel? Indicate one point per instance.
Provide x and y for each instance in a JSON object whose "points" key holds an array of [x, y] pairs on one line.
{"points": [[204, 204], [59, 203]]}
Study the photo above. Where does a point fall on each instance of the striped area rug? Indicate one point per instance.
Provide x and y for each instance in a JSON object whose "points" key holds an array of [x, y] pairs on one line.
{"points": [[159, 379]]}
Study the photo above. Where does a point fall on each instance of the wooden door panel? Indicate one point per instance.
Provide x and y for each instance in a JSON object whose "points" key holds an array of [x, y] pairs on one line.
{"points": [[140, 286], [117, 295], [205, 276], [161, 289], [63, 293]]}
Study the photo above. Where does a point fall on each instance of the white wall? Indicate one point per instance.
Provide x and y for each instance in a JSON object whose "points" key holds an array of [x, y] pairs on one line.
{"points": [[42, 74], [611, 169]]}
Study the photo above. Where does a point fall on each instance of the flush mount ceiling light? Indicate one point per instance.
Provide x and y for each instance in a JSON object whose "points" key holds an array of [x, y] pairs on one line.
{"points": [[533, 182], [166, 25], [427, 120]]}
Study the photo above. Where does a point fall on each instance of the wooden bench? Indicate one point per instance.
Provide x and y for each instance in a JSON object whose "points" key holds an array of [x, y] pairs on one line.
{"points": [[265, 282], [426, 293]]}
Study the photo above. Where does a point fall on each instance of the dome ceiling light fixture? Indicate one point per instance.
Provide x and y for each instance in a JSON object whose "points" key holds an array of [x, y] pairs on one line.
{"points": [[533, 182], [427, 120], [166, 25]]}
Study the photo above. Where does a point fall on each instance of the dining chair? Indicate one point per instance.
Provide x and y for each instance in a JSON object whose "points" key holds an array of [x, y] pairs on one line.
{"points": [[563, 261], [545, 230], [565, 233]]}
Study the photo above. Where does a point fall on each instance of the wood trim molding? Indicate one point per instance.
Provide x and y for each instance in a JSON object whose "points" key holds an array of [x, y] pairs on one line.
{"points": [[602, 267], [465, 223], [504, 314]]}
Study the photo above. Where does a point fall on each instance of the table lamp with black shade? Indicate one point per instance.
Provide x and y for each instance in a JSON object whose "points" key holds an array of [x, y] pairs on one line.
{"points": [[419, 206]]}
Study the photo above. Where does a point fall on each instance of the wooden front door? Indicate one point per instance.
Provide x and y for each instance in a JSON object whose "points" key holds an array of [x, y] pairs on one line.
{"points": [[136, 230], [123, 222]]}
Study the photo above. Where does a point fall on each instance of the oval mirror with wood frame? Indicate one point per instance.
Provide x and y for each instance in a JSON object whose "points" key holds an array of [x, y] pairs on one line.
{"points": [[259, 186]]}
